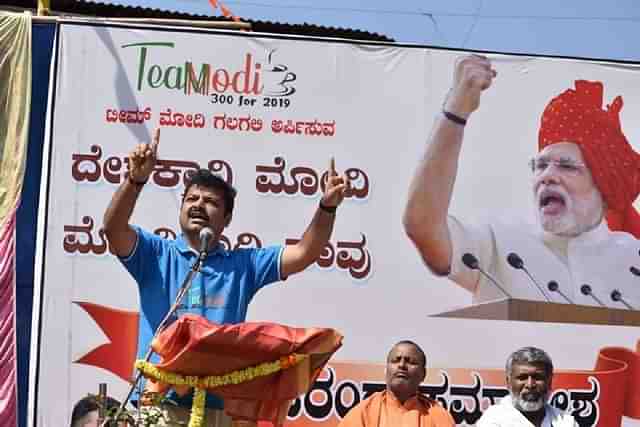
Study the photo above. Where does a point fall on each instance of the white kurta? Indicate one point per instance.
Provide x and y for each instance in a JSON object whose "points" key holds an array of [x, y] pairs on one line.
{"points": [[504, 414], [600, 258]]}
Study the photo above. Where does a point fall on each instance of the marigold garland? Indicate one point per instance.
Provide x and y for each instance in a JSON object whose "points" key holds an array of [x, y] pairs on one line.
{"points": [[200, 384], [197, 408]]}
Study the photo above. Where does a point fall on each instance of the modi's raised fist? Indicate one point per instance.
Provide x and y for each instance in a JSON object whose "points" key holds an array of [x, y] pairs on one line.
{"points": [[472, 74]]}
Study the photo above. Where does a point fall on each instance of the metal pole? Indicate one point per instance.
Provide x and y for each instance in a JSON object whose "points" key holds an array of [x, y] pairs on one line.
{"points": [[181, 294]]}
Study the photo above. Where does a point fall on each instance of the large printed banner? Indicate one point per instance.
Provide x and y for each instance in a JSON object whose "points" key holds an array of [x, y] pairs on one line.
{"points": [[267, 114]]}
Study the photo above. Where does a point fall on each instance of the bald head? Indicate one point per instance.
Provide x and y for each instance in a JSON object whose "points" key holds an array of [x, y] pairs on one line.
{"points": [[423, 357], [406, 369]]}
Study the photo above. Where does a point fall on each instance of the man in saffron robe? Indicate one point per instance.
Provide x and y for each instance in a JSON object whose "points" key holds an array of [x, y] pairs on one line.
{"points": [[401, 404]]}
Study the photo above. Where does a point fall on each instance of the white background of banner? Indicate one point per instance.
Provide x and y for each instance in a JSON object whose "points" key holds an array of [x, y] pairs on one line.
{"points": [[383, 99]]}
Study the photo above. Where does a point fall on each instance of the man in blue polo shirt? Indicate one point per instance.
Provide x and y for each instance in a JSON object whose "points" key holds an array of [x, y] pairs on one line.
{"points": [[228, 279]]}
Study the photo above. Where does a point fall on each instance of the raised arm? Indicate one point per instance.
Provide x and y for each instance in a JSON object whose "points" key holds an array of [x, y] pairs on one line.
{"points": [[425, 216], [296, 258], [121, 236]]}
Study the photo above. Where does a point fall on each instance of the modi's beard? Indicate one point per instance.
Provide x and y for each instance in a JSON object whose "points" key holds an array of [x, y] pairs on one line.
{"points": [[582, 214]]}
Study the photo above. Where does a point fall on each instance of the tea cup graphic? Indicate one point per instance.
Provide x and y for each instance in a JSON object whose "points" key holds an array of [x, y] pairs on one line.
{"points": [[276, 81]]}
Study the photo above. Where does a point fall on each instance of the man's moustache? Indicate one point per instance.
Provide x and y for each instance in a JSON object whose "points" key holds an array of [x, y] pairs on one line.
{"points": [[531, 396], [197, 213]]}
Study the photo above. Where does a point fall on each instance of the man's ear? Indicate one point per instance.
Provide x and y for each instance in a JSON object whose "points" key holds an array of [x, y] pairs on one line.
{"points": [[424, 376], [227, 219]]}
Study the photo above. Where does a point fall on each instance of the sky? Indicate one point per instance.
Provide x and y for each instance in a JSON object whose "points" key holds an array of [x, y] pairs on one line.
{"points": [[575, 28]]}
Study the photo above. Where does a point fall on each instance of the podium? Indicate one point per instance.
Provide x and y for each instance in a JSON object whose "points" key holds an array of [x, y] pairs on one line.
{"points": [[540, 311]]}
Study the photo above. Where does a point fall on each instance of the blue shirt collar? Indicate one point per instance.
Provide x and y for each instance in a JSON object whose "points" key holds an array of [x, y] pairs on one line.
{"points": [[183, 247]]}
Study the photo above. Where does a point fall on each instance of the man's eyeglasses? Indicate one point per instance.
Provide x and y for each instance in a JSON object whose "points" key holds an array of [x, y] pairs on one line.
{"points": [[564, 166]]}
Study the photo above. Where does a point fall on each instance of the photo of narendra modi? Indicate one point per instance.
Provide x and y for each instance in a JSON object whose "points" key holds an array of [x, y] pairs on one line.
{"points": [[578, 244]]}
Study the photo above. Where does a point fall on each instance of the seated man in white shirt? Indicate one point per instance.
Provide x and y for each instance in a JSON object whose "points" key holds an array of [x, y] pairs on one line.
{"points": [[585, 179], [529, 377]]}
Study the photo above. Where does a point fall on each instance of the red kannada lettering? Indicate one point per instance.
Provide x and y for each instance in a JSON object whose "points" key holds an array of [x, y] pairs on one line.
{"points": [[137, 116], [167, 173], [304, 180], [301, 127], [244, 124]]}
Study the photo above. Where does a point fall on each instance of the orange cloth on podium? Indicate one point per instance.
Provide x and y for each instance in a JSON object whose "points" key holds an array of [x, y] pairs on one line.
{"points": [[384, 410], [194, 346]]}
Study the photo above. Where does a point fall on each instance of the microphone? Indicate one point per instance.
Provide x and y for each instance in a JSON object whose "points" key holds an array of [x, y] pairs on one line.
{"points": [[472, 262], [516, 262], [616, 295], [554, 287], [206, 234], [586, 290]]}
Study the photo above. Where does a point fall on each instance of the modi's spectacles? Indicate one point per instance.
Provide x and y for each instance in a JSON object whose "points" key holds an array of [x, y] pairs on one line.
{"points": [[564, 166]]}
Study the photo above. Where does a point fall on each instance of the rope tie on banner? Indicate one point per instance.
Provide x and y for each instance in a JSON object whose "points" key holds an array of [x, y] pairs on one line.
{"points": [[201, 384]]}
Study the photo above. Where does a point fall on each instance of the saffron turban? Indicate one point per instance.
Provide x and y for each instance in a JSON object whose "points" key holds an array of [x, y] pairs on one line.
{"points": [[577, 116]]}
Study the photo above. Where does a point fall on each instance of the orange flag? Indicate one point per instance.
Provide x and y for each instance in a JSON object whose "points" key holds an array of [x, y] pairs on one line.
{"points": [[225, 11], [121, 328]]}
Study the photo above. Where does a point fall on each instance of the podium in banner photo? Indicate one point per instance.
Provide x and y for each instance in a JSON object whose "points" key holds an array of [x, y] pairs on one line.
{"points": [[540, 311]]}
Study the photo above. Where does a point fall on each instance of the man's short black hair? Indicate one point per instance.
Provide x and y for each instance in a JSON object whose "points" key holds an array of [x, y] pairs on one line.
{"points": [[204, 178], [417, 347], [89, 404]]}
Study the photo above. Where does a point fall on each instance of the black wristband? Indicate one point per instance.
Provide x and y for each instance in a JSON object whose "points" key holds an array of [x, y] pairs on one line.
{"points": [[136, 183], [327, 209], [454, 118]]}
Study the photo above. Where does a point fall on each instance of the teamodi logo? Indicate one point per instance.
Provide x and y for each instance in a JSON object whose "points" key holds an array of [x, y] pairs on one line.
{"points": [[274, 79]]}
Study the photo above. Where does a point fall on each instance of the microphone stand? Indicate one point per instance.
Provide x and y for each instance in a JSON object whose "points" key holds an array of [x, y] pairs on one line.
{"points": [[554, 287], [586, 291], [544, 294], [472, 263], [616, 296], [514, 260], [184, 288]]}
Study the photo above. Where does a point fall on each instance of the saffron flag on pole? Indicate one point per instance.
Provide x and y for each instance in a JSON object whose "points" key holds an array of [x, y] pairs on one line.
{"points": [[225, 11]]}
